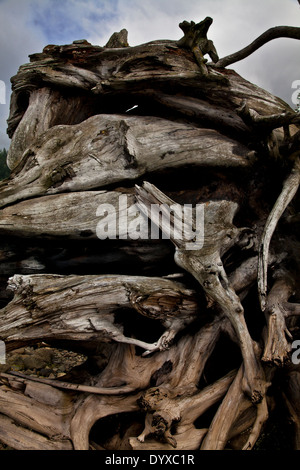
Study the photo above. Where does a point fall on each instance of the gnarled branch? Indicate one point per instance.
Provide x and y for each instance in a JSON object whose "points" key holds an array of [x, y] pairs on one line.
{"points": [[269, 35]]}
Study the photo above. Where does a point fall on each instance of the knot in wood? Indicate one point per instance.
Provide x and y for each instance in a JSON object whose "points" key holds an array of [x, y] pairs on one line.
{"points": [[160, 424], [153, 398]]}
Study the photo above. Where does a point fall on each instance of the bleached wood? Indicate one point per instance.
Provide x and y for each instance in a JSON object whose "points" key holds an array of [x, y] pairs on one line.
{"points": [[109, 149], [88, 123]]}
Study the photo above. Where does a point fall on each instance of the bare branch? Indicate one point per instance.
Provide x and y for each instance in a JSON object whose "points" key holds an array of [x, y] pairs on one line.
{"points": [[290, 187], [68, 386], [269, 122], [261, 418], [272, 33]]}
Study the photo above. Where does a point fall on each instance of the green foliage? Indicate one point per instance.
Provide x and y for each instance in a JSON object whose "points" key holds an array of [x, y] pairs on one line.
{"points": [[4, 170]]}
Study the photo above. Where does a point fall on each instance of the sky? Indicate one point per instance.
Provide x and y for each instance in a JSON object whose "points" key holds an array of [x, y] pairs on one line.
{"points": [[27, 26]]}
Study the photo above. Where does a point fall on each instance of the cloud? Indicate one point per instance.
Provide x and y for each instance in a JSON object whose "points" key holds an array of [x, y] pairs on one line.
{"points": [[64, 21], [26, 26], [17, 40]]}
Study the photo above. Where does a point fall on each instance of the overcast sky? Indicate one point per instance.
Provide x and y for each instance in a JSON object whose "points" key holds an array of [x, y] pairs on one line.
{"points": [[26, 26]]}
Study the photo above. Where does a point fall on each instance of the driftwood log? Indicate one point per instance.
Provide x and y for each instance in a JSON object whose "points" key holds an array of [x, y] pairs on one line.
{"points": [[191, 336]]}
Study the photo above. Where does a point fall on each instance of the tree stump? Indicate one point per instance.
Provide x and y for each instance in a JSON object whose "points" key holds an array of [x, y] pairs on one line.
{"points": [[188, 314]]}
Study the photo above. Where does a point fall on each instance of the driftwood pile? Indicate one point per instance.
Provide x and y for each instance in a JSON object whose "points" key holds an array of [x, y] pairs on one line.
{"points": [[189, 340]]}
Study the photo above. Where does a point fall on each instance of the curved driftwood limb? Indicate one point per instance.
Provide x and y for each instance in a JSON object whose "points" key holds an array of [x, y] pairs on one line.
{"points": [[25, 379], [290, 187], [231, 417], [269, 122], [94, 408], [261, 418], [272, 33], [218, 432]]}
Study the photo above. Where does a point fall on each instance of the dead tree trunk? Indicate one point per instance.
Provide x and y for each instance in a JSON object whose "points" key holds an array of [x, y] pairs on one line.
{"points": [[184, 312]]}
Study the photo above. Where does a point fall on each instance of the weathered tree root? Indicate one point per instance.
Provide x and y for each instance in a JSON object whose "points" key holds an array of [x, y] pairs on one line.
{"points": [[206, 266], [290, 187]]}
